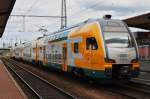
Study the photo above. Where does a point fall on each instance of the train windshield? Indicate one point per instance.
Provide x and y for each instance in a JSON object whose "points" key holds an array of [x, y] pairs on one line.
{"points": [[117, 35]]}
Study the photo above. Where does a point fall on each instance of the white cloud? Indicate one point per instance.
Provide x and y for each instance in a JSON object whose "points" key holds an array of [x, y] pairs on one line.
{"points": [[121, 7]]}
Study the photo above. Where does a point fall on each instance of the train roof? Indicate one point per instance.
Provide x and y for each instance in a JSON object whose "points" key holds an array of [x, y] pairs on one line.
{"points": [[73, 26], [26, 44], [63, 33], [23, 44], [83, 23], [140, 21], [19, 46]]}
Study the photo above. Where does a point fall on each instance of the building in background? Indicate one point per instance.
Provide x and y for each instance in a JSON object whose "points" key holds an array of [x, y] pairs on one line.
{"points": [[143, 40]]}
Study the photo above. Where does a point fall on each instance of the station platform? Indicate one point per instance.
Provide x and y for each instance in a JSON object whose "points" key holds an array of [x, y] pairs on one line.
{"points": [[9, 89]]}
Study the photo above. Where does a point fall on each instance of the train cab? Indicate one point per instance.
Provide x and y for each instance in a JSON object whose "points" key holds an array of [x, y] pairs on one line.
{"points": [[120, 48], [104, 48]]}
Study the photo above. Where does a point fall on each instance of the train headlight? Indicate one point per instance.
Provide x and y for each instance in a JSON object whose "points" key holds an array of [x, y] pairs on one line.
{"points": [[134, 61]]}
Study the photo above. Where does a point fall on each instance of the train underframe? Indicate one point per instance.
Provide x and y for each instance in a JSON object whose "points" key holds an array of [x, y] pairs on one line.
{"points": [[117, 72], [122, 71]]}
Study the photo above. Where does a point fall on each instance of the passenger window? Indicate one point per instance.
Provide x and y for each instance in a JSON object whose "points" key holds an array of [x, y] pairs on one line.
{"points": [[91, 44], [75, 47]]}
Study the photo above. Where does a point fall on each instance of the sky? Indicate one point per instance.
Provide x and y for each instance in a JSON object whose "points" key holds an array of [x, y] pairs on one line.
{"points": [[77, 11]]}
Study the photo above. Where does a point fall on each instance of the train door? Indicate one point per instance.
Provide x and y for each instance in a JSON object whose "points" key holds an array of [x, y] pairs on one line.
{"points": [[91, 47], [64, 53]]}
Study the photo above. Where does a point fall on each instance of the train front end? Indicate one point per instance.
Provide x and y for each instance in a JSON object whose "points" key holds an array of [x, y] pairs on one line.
{"points": [[120, 49]]}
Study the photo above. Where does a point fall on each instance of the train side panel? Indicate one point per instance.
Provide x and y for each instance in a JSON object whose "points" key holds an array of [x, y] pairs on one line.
{"points": [[86, 52], [54, 54]]}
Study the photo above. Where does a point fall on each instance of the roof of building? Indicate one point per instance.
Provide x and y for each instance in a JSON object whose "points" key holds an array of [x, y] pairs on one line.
{"points": [[6, 7], [141, 21]]}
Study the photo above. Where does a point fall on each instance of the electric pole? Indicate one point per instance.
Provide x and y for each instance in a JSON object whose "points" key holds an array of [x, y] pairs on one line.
{"points": [[63, 15]]}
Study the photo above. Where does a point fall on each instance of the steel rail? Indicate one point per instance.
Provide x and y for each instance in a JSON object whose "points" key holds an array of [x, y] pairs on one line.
{"points": [[21, 79], [45, 81]]}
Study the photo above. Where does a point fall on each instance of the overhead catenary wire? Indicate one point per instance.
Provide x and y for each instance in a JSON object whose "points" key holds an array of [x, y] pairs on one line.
{"points": [[35, 16], [31, 7]]}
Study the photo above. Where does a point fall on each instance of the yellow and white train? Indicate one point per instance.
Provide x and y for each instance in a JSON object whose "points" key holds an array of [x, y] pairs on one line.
{"points": [[101, 48]]}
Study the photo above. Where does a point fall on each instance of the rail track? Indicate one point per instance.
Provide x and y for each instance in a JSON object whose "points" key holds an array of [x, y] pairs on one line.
{"points": [[131, 90], [143, 80], [146, 71], [40, 87], [140, 87]]}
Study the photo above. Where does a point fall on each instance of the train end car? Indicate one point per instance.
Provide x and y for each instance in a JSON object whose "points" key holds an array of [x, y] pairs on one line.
{"points": [[18, 51], [103, 48], [27, 51]]}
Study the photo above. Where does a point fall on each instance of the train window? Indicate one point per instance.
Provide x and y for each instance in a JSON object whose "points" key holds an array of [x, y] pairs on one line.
{"points": [[76, 47], [91, 44], [118, 40]]}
